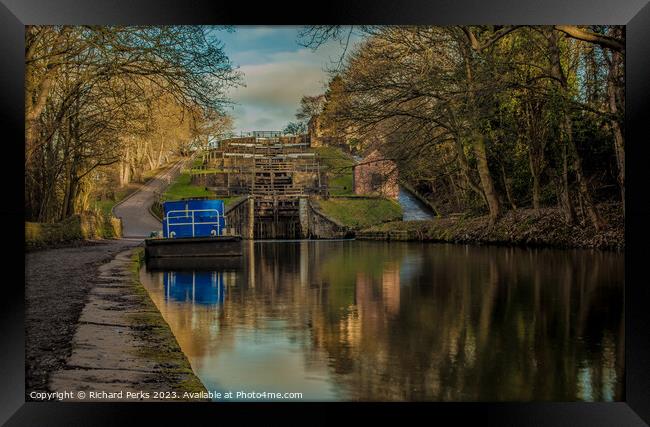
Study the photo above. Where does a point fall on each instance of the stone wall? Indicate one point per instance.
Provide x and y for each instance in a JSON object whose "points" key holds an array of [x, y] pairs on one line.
{"points": [[375, 176], [87, 225]]}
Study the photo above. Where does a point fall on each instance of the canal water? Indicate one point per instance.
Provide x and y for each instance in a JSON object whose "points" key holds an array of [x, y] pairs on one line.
{"points": [[401, 321]]}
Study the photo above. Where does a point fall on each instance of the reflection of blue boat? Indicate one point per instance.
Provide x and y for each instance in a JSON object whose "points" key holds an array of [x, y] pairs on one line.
{"points": [[193, 228], [200, 287]]}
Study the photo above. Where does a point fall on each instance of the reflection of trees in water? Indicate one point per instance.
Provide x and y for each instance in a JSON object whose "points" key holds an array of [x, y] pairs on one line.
{"points": [[435, 322], [479, 324]]}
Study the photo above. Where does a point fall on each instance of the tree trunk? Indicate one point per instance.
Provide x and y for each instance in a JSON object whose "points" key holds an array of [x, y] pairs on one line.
{"points": [[465, 170], [619, 149], [487, 183], [536, 187], [590, 207], [564, 195], [558, 74], [150, 159], [160, 153], [506, 184], [478, 143], [616, 104], [125, 176], [67, 208]]}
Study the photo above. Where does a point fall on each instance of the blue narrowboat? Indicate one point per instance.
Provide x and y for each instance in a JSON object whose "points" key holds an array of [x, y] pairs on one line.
{"points": [[194, 228]]}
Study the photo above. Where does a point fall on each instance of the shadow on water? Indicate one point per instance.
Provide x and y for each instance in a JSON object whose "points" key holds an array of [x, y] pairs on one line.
{"points": [[355, 320]]}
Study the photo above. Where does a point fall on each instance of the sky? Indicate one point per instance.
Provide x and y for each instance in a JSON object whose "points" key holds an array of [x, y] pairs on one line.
{"points": [[277, 72]]}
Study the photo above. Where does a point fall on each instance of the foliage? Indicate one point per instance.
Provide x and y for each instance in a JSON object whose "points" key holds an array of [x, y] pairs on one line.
{"points": [[486, 119], [104, 104], [295, 128], [310, 106]]}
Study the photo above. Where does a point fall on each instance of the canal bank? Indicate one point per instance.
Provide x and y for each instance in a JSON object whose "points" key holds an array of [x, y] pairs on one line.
{"points": [[89, 323], [523, 227], [122, 343]]}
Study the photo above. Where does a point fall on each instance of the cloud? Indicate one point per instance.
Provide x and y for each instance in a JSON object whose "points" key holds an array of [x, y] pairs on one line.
{"points": [[274, 88], [248, 33], [277, 73]]}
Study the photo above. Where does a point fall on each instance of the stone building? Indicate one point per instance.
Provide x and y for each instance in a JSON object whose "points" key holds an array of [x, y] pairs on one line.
{"points": [[374, 175]]}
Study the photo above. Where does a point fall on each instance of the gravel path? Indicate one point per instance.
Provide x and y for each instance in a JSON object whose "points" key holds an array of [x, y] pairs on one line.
{"points": [[57, 282]]}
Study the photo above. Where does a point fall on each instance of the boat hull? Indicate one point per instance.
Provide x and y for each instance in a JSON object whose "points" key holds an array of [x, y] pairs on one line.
{"points": [[206, 247]]}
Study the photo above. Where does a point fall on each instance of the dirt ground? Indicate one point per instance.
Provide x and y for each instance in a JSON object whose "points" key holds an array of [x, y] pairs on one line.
{"points": [[57, 283]]}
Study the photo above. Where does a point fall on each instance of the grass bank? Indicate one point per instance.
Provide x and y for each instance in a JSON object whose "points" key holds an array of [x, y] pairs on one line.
{"points": [[182, 188], [344, 206], [524, 227], [360, 212]]}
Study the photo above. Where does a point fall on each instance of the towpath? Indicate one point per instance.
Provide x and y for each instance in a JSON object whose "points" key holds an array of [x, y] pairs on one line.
{"points": [[88, 324]]}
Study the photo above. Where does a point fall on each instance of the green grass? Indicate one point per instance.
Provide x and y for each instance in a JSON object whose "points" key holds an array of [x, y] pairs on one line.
{"points": [[361, 212], [334, 158], [341, 185], [183, 188], [339, 167]]}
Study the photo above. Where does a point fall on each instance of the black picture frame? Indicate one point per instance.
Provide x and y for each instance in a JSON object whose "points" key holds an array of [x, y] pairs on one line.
{"points": [[15, 14]]}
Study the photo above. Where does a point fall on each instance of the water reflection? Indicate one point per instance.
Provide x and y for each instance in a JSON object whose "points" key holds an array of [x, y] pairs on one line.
{"points": [[197, 287], [353, 320]]}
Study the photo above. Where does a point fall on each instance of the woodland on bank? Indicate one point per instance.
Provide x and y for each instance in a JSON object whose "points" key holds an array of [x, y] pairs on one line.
{"points": [[479, 119], [483, 119], [106, 104]]}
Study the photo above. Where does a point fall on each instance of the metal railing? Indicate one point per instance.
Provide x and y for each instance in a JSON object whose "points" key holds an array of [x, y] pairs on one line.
{"points": [[193, 223]]}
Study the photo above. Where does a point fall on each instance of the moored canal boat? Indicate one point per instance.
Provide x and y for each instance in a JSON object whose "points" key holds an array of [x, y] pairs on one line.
{"points": [[194, 228]]}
